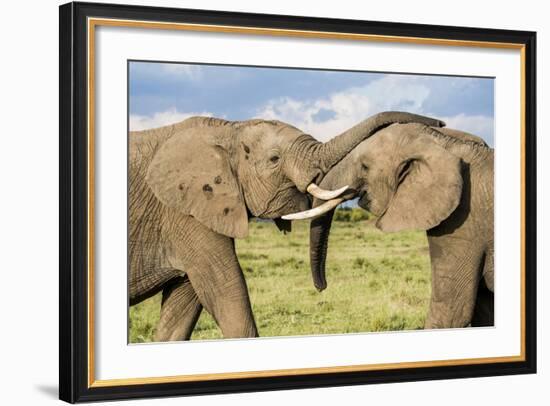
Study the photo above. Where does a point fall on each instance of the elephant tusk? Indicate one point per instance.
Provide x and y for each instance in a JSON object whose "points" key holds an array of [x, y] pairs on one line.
{"points": [[323, 194], [315, 212]]}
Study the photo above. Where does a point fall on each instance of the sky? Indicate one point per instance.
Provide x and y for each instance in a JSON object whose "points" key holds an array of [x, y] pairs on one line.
{"points": [[320, 103]]}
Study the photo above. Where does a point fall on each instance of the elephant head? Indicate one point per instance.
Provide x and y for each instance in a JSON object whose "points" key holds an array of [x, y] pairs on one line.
{"points": [[223, 172], [403, 174]]}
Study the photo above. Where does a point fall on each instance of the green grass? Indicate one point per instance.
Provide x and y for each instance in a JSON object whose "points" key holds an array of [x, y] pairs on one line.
{"points": [[376, 282]]}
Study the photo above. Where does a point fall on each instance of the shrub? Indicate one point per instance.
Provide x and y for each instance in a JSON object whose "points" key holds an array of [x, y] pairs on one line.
{"points": [[342, 214], [347, 214], [359, 215]]}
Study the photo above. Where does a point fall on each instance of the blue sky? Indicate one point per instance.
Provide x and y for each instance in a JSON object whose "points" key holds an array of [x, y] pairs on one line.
{"points": [[321, 103]]}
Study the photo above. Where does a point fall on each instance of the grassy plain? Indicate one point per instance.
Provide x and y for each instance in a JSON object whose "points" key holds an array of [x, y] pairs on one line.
{"points": [[376, 282]]}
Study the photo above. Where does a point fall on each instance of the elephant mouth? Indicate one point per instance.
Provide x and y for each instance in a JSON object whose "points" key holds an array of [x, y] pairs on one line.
{"points": [[366, 203], [364, 199], [287, 200]]}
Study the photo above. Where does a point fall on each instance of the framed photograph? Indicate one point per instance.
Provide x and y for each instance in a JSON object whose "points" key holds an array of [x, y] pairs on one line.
{"points": [[257, 202]]}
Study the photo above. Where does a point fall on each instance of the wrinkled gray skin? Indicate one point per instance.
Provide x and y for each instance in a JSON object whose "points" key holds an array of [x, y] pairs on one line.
{"points": [[194, 186], [415, 177]]}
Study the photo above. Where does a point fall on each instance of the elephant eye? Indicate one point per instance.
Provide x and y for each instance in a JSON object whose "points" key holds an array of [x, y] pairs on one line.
{"points": [[404, 171], [274, 159]]}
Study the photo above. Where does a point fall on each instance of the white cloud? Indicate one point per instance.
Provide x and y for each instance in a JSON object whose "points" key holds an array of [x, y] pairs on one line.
{"points": [[349, 107], [482, 126], [159, 119]]}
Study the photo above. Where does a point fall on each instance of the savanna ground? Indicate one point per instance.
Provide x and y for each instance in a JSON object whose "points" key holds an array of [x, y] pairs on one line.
{"points": [[376, 282]]}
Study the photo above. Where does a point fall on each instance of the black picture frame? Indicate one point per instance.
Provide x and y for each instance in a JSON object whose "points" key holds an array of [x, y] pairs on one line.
{"points": [[74, 385]]}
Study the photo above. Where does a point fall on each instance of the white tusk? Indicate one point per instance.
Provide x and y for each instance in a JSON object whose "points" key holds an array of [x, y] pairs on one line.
{"points": [[323, 194], [317, 211]]}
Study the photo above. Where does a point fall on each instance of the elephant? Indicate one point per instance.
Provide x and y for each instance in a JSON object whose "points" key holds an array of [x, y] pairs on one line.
{"points": [[413, 176], [194, 185]]}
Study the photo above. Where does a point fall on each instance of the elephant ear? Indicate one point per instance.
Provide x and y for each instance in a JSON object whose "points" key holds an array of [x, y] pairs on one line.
{"points": [[429, 188], [191, 172]]}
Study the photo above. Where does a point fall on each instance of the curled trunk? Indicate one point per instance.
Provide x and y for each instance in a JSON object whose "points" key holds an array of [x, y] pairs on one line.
{"points": [[334, 150], [313, 159]]}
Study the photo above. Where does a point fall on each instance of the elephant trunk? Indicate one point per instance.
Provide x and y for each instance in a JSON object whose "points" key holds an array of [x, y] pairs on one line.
{"points": [[320, 226], [318, 245], [319, 157], [337, 148]]}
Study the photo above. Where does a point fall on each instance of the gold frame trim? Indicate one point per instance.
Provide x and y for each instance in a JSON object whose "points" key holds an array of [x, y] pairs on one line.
{"points": [[94, 22]]}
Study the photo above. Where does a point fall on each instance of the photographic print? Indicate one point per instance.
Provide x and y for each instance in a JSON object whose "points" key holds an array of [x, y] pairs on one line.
{"points": [[269, 201], [256, 202]]}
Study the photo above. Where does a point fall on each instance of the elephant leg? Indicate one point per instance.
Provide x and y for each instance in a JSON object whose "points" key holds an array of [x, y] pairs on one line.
{"points": [[149, 282], [224, 294], [456, 269], [179, 312], [485, 304], [484, 310], [211, 263]]}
